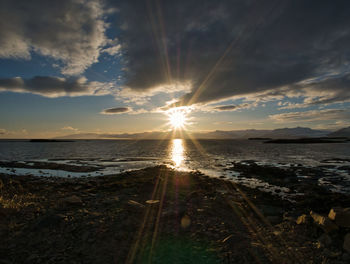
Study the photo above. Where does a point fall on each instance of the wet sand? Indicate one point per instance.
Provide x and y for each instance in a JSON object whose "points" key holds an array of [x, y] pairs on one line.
{"points": [[159, 215]]}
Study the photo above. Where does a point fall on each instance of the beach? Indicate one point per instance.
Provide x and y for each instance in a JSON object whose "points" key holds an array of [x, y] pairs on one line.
{"points": [[162, 215]]}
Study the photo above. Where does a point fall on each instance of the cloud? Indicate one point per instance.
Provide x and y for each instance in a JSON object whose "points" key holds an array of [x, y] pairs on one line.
{"points": [[54, 86], [210, 108], [334, 125], [70, 31], [114, 50], [231, 107], [324, 90], [225, 107], [116, 110], [70, 128], [289, 105], [141, 97], [312, 115], [333, 89], [20, 132], [238, 48], [198, 53]]}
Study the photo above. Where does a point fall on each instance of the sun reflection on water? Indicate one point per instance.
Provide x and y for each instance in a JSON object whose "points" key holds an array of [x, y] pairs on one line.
{"points": [[177, 153]]}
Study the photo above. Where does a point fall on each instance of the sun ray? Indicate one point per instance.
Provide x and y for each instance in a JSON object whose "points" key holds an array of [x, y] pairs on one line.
{"points": [[196, 143]]}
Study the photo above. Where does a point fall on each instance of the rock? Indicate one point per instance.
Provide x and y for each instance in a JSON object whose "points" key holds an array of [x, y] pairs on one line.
{"points": [[32, 258], [274, 219], [185, 221], [341, 216], [346, 257], [226, 238], [195, 197], [325, 240], [332, 254], [85, 235], [222, 191], [132, 202], [303, 219], [152, 201], [6, 212], [323, 222], [48, 221], [346, 244], [181, 210], [71, 200], [270, 210], [4, 261]]}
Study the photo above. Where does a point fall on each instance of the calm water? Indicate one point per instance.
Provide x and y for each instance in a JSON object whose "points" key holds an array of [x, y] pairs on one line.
{"points": [[211, 157], [203, 153]]}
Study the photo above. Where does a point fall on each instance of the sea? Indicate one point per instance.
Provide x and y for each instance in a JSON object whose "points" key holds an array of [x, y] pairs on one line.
{"points": [[214, 158]]}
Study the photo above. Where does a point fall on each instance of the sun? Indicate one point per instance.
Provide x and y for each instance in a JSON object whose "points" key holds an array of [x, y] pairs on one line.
{"points": [[177, 117]]}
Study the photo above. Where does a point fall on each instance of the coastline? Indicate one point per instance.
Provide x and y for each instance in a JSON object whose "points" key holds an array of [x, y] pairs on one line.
{"points": [[146, 214]]}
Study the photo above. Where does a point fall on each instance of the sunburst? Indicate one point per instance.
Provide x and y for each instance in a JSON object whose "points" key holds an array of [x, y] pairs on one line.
{"points": [[177, 117]]}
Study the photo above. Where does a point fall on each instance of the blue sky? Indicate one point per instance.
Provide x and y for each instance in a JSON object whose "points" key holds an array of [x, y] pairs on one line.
{"points": [[97, 66]]}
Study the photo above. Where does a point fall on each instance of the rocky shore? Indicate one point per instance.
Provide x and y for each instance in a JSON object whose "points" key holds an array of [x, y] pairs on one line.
{"points": [[159, 215]]}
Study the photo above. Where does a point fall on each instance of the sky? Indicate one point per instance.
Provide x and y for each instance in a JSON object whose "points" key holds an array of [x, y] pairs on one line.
{"points": [[103, 66]]}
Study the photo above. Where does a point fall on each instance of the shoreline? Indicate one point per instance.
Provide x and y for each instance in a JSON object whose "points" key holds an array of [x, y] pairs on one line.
{"points": [[145, 214]]}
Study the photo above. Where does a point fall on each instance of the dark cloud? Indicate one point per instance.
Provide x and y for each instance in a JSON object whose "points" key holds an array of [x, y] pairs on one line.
{"points": [[116, 110], [249, 105], [71, 31], [209, 50], [226, 107], [234, 47], [53, 86]]}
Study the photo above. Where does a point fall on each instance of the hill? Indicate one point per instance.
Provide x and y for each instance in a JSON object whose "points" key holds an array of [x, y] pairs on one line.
{"points": [[297, 132], [344, 132]]}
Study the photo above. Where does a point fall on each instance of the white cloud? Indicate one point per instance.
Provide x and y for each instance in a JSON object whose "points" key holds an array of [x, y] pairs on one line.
{"points": [[70, 31], [70, 128], [141, 97], [13, 133], [114, 50]]}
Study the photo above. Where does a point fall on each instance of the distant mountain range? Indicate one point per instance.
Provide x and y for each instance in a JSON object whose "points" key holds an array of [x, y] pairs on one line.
{"points": [[344, 132], [297, 132]]}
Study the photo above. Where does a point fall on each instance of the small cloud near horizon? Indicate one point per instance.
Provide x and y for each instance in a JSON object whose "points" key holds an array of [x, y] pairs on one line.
{"points": [[70, 128], [312, 115]]}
